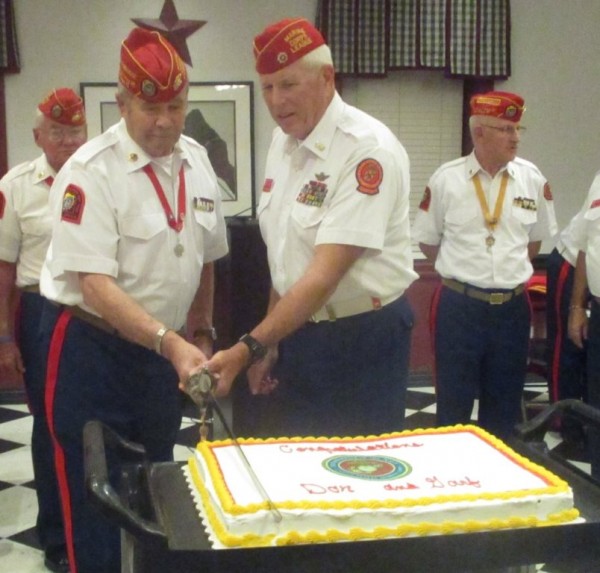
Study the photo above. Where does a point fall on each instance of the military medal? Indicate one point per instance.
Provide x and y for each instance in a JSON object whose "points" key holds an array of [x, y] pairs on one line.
{"points": [[175, 223], [491, 221]]}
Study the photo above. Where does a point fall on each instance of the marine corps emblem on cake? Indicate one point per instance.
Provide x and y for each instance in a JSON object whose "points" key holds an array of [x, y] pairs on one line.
{"points": [[379, 468]]}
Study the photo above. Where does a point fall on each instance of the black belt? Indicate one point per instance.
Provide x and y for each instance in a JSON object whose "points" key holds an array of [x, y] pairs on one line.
{"points": [[484, 295], [30, 288]]}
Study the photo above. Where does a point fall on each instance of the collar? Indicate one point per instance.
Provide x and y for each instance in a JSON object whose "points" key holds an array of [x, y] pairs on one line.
{"points": [[42, 169], [136, 157], [320, 138], [473, 167]]}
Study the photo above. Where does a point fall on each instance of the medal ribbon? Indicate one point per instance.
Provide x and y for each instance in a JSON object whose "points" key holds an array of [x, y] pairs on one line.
{"points": [[175, 224], [491, 220]]}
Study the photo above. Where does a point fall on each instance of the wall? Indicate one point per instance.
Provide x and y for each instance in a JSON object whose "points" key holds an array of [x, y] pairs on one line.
{"points": [[555, 61]]}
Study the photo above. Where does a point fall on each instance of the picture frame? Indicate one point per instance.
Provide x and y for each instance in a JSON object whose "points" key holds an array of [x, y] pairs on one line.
{"points": [[220, 116]]}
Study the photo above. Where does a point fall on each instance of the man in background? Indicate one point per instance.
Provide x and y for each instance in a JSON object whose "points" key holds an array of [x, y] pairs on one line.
{"points": [[60, 129], [137, 222], [481, 221], [333, 213]]}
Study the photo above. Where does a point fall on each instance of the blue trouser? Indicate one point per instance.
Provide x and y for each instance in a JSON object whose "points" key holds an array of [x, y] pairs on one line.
{"points": [[593, 371], [346, 377], [481, 351], [566, 361], [93, 375], [49, 524]]}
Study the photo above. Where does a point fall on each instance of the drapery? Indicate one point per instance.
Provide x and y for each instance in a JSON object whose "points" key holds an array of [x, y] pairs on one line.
{"points": [[9, 52], [465, 38]]}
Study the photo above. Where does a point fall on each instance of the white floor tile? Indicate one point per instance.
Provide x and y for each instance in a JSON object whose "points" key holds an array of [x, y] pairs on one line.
{"points": [[19, 510], [17, 466], [17, 558], [18, 431]]}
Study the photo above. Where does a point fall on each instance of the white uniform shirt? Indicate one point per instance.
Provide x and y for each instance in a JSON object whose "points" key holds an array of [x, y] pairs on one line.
{"points": [[123, 230], [565, 243], [450, 216], [24, 224], [586, 235], [346, 183]]}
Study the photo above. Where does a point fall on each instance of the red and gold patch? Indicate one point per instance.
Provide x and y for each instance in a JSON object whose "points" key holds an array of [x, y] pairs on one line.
{"points": [[425, 200], [547, 192], [369, 175], [2, 204], [595, 203], [73, 204], [267, 186]]}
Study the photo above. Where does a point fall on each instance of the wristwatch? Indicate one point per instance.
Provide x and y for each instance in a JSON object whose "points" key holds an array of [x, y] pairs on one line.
{"points": [[257, 350], [210, 332]]}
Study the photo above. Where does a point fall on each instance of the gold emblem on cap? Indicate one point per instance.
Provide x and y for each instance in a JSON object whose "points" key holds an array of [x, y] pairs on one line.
{"points": [[282, 57], [511, 111], [177, 81], [56, 111], [133, 157], [148, 88]]}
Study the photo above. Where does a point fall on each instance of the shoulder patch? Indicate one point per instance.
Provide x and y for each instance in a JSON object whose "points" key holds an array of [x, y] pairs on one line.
{"points": [[425, 200], [267, 186], [2, 204], [73, 204], [595, 203], [547, 192], [369, 175]]}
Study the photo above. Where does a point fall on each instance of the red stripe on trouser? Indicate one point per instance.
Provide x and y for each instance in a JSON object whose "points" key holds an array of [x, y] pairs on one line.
{"points": [[435, 301], [558, 339], [54, 353]]}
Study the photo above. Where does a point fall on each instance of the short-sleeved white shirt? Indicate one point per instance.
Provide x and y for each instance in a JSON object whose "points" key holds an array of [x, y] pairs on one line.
{"points": [[123, 230], [24, 223], [346, 183], [451, 216], [586, 234]]}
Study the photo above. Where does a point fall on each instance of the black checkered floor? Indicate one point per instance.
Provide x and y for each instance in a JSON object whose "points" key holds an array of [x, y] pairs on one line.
{"points": [[19, 550]]}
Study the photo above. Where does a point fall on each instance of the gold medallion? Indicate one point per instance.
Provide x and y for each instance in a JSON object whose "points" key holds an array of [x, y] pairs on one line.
{"points": [[178, 250], [489, 241]]}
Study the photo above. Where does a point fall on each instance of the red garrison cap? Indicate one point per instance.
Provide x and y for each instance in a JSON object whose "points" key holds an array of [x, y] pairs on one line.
{"points": [[150, 67], [283, 43], [498, 104], [64, 106]]}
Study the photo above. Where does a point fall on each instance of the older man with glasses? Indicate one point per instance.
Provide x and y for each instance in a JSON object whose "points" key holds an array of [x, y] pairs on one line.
{"points": [[481, 221], [59, 130]]}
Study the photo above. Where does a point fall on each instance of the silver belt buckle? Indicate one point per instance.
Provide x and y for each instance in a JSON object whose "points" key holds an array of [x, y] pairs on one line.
{"points": [[496, 298]]}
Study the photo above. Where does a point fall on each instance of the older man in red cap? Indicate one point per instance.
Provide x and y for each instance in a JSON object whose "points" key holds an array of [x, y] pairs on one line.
{"points": [[334, 216], [136, 225], [481, 220], [60, 128]]}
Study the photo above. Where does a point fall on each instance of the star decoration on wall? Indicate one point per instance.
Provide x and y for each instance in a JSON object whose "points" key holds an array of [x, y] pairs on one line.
{"points": [[176, 31]]}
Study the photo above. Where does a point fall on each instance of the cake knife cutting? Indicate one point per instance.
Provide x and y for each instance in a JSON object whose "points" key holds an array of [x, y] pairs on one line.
{"points": [[200, 386]]}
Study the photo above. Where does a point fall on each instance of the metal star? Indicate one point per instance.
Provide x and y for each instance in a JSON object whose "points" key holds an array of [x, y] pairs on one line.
{"points": [[176, 31]]}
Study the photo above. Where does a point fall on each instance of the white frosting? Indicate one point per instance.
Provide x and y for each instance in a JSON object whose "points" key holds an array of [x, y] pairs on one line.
{"points": [[451, 476]]}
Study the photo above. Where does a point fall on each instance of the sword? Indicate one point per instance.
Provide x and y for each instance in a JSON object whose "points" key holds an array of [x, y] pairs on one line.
{"points": [[200, 386]]}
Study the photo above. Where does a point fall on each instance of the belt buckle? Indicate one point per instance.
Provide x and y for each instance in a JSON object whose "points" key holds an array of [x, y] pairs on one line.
{"points": [[496, 298]]}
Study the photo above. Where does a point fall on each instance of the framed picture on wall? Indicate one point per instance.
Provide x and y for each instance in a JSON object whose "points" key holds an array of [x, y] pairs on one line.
{"points": [[219, 117]]}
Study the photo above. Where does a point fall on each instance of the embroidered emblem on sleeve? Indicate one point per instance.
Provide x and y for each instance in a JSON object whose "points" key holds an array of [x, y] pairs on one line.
{"points": [[73, 204], [267, 186], [2, 204], [425, 200], [595, 203], [547, 192], [369, 175]]}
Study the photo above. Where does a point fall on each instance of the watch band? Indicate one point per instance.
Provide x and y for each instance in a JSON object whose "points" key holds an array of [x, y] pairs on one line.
{"points": [[158, 338], [257, 350]]}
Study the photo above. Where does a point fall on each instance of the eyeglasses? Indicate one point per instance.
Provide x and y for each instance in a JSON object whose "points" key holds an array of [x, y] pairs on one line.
{"points": [[506, 129], [57, 135]]}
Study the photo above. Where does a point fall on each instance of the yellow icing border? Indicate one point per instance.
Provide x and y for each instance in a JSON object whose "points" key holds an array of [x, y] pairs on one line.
{"points": [[555, 486]]}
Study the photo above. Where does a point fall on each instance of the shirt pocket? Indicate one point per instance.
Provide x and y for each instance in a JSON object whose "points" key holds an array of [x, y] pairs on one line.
{"points": [[143, 227], [463, 215], [206, 219], [307, 216], [527, 217]]}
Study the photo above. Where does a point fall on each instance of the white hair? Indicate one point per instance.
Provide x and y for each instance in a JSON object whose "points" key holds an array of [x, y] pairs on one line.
{"points": [[318, 58]]}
